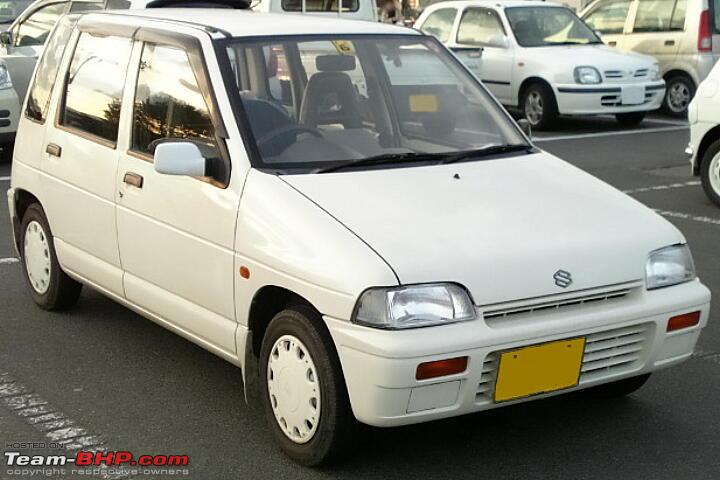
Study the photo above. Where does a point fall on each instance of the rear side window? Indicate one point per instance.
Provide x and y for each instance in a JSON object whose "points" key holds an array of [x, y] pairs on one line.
{"points": [[34, 30], [440, 23], [41, 90], [609, 17], [94, 85], [660, 16], [169, 104], [320, 5]]}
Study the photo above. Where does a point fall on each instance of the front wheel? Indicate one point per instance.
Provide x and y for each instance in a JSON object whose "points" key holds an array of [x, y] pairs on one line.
{"points": [[630, 119], [710, 172], [305, 400], [620, 388], [679, 91], [539, 106]]}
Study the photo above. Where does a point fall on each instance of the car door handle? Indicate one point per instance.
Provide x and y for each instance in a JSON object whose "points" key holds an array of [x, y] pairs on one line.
{"points": [[612, 43], [133, 179], [669, 43], [53, 149]]}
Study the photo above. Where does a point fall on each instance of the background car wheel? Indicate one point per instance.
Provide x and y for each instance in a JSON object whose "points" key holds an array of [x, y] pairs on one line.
{"points": [[630, 119], [710, 172], [305, 400], [620, 388], [50, 287], [539, 106], [680, 89], [6, 152]]}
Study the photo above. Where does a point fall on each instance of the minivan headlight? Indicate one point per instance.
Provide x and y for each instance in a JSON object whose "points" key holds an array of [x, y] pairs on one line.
{"points": [[413, 306], [669, 266], [5, 81], [587, 75]]}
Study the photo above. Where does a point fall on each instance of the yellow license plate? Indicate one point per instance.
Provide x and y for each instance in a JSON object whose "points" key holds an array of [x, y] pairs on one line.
{"points": [[539, 369]]}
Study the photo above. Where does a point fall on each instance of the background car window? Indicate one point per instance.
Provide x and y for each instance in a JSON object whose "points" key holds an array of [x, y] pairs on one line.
{"points": [[545, 26], [609, 17], [85, 6], [46, 74], [320, 5], [35, 29], [678, 18], [11, 9], [94, 85], [657, 16], [439, 23], [480, 26], [169, 104]]}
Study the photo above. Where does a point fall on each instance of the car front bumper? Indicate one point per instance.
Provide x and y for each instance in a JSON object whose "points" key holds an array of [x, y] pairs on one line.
{"points": [[9, 115], [380, 365], [577, 99]]}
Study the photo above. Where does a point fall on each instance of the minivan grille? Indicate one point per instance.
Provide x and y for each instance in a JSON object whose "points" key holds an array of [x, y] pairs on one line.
{"points": [[606, 354]]}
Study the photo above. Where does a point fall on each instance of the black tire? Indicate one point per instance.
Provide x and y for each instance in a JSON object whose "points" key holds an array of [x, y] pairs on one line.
{"points": [[335, 414], [630, 119], [6, 152], [675, 107], [708, 172], [548, 104], [621, 388], [62, 292]]}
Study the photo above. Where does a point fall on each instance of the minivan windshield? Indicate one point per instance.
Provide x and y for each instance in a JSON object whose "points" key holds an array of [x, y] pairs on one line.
{"points": [[11, 9], [547, 26], [321, 103]]}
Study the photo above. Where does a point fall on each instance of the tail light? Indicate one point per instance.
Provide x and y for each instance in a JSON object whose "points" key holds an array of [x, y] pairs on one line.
{"points": [[704, 32]]}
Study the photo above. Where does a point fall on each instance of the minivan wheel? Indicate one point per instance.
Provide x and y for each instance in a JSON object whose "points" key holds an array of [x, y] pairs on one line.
{"points": [[539, 106], [680, 89], [619, 388], [50, 287], [710, 172], [630, 119], [304, 397]]}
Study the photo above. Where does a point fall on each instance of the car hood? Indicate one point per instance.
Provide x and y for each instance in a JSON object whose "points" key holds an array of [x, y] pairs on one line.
{"points": [[599, 56], [501, 227]]}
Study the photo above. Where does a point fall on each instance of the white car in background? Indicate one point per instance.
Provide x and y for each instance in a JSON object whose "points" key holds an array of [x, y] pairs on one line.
{"points": [[542, 58], [704, 147]]}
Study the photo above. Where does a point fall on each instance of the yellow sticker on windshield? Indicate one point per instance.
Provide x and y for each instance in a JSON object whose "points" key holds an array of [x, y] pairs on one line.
{"points": [[423, 103], [344, 47]]}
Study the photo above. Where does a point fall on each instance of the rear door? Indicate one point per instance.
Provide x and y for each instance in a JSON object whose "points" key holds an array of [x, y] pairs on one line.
{"points": [[609, 17], [657, 29]]}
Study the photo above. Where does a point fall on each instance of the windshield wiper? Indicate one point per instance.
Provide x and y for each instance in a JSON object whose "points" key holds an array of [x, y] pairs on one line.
{"points": [[383, 159], [487, 151]]}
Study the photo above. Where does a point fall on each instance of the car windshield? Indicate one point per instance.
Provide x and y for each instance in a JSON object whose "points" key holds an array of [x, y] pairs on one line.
{"points": [[317, 102], [11, 9], [546, 26]]}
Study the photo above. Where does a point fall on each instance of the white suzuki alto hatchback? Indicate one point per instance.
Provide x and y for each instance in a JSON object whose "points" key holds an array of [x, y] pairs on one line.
{"points": [[361, 240]]}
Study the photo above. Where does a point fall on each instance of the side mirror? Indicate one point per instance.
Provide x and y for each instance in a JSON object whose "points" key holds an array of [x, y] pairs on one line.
{"points": [[179, 158], [498, 41], [6, 38], [525, 127]]}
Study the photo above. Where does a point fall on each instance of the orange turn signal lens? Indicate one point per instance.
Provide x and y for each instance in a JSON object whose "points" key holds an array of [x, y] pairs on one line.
{"points": [[685, 320], [441, 368]]}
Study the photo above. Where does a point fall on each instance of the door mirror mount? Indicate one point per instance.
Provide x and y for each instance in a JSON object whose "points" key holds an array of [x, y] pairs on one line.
{"points": [[6, 38], [525, 127], [499, 41], [179, 158]]}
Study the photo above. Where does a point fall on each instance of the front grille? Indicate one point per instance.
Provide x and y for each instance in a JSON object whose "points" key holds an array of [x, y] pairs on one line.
{"points": [[643, 72], [494, 315], [607, 354], [616, 100], [613, 74]]}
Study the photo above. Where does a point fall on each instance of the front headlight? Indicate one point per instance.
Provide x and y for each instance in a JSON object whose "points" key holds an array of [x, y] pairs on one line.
{"points": [[414, 306], [655, 72], [587, 75], [669, 266], [5, 81]]}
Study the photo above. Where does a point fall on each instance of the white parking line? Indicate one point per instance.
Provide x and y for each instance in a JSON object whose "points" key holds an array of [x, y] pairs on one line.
{"points": [[53, 424], [608, 134], [4, 179], [9, 260], [691, 183], [687, 216]]}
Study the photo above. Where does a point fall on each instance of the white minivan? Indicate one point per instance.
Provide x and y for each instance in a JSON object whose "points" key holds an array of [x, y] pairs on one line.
{"points": [[365, 243], [540, 57]]}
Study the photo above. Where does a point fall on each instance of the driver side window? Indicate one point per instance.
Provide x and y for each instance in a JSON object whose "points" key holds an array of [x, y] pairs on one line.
{"points": [[169, 104], [34, 30]]}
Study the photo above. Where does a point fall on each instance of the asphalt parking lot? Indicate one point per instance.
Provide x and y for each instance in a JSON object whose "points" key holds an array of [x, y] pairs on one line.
{"points": [[120, 381]]}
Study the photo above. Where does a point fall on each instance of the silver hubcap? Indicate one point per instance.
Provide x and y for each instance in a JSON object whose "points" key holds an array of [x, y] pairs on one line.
{"points": [[294, 389], [678, 96], [36, 252], [533, 108], [715, 174]]}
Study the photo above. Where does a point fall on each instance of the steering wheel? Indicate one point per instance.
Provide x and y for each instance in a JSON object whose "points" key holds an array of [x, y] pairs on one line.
{"points": [[286, 130]]}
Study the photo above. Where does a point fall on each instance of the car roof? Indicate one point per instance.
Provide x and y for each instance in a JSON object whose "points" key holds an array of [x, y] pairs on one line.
{"points": [[494, 3], [248, 23]]}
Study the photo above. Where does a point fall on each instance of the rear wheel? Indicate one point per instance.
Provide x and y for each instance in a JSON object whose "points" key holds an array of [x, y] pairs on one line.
{"points": [[620, 388], [539, 106], [305, 401], [710, 172], [630, 119], [50, 287], [680, 89]]}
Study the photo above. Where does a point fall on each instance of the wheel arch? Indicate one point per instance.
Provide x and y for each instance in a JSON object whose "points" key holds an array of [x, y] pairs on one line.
{"points": [[531, 81], [678, 72], [710, 137], [22, 199]]}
